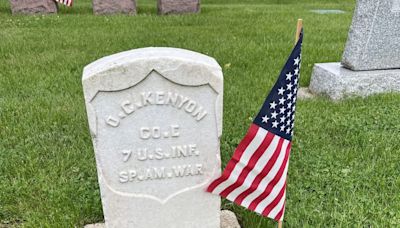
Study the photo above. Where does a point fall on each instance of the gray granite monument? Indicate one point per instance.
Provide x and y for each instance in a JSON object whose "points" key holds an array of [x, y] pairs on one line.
{"points": [[178, 6], [114, 7], [155, 116], [371, 60], [33, 6]]}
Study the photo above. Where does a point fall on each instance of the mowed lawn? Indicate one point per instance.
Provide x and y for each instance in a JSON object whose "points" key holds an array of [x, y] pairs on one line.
{"points": [[345, 163]]}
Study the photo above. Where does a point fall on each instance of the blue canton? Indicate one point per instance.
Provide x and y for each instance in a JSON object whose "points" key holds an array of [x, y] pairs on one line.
{"points": [[278, 112]]}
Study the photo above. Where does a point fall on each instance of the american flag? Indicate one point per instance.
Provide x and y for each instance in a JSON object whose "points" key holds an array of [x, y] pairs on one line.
{"points": [[255, 177], [65, 2]]}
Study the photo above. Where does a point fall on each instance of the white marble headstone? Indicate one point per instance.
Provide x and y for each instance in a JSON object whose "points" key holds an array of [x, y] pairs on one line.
{"points": [[155, 116]]}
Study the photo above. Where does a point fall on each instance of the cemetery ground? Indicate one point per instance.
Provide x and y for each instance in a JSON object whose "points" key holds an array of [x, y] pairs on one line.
{"points": [[345, 163]]}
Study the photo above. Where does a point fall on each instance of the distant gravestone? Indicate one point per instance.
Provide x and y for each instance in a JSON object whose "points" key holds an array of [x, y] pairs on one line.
{"points": [[155, 116], [178, 6], [374, 36], [371, 60], [114, 7], [33, 6]]}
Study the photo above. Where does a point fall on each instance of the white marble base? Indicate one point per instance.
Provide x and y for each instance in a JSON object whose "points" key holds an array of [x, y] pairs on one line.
{"points": [[337, 82]]}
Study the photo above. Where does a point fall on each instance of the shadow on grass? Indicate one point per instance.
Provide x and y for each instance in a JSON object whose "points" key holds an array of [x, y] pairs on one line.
{"points": [[147, 9], [5, 8], [82, 9]]}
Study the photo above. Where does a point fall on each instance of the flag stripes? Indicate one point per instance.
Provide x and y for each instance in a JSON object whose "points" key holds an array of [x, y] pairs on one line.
{"points": [[236, 157], [255, 177], [250, 166], [272, 182], [65, 2], [257, 180]]}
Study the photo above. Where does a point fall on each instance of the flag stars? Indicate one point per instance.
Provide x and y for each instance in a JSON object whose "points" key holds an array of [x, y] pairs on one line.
{"points": [[289, 76], [282, 101], [278, 113], [296, 71], [274, 115], [289, 86], [296, 61], [265, 119], [273, 105], [281, 91]]}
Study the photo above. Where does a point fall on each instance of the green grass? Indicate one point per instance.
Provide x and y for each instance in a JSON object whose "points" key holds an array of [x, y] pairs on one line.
{"points": [[345, 164]]}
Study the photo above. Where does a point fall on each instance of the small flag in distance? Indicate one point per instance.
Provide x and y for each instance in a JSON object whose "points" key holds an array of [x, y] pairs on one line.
{"points": [[65, 2]]}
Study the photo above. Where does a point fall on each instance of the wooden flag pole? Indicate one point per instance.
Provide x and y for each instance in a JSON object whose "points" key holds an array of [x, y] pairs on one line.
{"points": [[298, 31]]}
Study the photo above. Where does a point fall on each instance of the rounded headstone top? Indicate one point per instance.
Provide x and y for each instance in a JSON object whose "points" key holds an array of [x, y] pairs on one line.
{"points": [[125, 69], [153, 53]]}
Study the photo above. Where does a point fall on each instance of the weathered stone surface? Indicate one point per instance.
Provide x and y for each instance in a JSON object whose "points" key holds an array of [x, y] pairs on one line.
{"points": [[305, 93], [337, 82], [155, 116], [178, 6], [96, 225], [33, 6], [114, 7], [374, 37], [228, 220]]}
